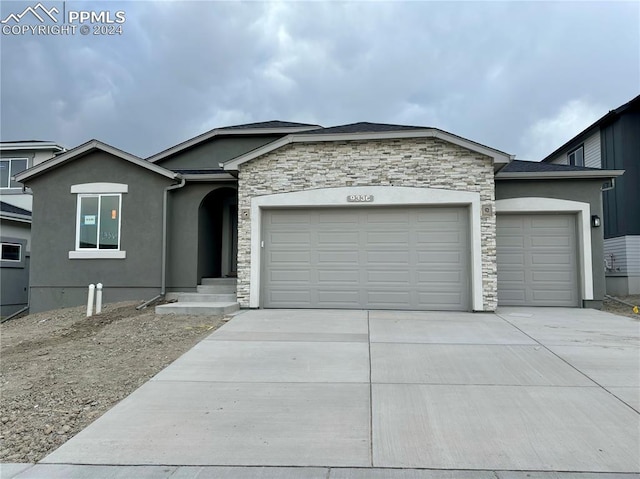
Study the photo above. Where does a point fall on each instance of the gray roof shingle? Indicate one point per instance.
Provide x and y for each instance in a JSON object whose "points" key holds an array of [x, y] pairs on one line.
{"points": [[519, 166], [268, 124], [7, 208]]}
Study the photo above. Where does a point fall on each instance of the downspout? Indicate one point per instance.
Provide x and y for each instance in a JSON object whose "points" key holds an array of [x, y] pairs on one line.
{"points": [[163, 278]]}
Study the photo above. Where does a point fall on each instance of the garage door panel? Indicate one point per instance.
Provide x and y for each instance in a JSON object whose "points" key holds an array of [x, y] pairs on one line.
{"points": [[537, 260], [390, 277], [440, 257], [363, 257], [329, 238], [455, 277], [289, 275], [344, 257], [301, 257], [550, 241]]}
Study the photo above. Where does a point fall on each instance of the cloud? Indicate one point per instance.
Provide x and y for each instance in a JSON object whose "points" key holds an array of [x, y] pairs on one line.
{"points": [[490, 71], [547, 134]]}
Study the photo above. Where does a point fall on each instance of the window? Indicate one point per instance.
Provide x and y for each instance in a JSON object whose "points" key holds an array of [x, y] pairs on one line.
{"points": [[576, 157], [98, 223], [10, 167], [11, 252]]}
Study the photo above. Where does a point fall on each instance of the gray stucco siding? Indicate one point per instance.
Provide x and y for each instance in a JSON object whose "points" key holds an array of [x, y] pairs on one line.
{"points": [[585, 191], [54, 276], [211, 153], [183, 241]]}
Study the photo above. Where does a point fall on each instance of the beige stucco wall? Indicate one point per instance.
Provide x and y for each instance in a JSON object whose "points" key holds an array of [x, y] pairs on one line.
{"points": [[420, 162]]}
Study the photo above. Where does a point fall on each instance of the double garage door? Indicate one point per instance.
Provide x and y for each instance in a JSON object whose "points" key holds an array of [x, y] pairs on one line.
{"points": [[366, 258]]}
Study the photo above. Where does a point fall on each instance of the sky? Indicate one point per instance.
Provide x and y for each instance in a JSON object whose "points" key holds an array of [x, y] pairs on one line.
{"points": [[521, 77]]}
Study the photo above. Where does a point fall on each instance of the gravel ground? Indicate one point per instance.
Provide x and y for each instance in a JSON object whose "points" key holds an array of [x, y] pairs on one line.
{"points": [[59, 371], [621, 309]]}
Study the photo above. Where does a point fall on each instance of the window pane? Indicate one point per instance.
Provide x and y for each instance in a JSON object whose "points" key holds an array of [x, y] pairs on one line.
{"points": [[17, 166], [4, 174], [580, 157], [88, 222], [109, 218], [11, 252]]}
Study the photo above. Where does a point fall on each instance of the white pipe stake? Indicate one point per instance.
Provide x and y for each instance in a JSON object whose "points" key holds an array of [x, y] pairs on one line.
{"points": [[99, 298], [90, 300]]}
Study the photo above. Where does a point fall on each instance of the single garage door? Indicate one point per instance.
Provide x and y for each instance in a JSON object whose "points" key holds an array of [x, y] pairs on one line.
{"points": [[537, 260], [366, 258]]}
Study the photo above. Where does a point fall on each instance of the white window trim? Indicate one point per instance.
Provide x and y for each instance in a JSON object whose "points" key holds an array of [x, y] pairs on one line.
{"points": [[9, 243], [97, 188], [553, 205], [581, 147], [10, 159], [384, 196], [96, 253]]}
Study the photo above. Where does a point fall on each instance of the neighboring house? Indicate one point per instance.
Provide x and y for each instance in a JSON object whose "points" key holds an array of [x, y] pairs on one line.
{"points": [[613, 142], [14, 258], [15, 219], [361, 216]]}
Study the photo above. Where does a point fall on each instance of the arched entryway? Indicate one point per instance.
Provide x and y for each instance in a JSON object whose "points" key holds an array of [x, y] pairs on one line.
{"points": [[218, 234]]}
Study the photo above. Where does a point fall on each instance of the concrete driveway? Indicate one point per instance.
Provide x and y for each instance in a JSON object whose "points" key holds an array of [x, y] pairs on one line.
{"points": [[526, 389]]}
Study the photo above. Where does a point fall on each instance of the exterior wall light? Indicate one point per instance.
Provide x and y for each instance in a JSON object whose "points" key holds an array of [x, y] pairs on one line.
{"points": [[595, 221]]}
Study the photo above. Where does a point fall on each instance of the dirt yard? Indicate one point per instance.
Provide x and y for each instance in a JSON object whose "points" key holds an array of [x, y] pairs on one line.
{"points": [[621, 309], [59, 371]]}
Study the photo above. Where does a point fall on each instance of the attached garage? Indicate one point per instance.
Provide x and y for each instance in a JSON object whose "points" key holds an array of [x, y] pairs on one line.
{"points": [[412, 258], [537, 258]]}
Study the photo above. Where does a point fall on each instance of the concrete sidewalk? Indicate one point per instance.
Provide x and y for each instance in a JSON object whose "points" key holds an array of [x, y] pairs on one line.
{"points": [[337, 393]]}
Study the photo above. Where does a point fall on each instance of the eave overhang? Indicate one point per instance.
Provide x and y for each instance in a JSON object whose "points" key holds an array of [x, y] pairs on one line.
{"points": [[559, 175], [499, 157], [84, 149]]}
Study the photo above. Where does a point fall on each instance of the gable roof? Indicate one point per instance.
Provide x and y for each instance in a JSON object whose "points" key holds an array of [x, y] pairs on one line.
{"points": [[83, 150], [368, 131], [263, 128], [605, 120], [518, 169]]}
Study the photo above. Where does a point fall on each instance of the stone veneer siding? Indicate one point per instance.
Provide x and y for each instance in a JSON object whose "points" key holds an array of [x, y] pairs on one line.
{"points": [[419, 162]]}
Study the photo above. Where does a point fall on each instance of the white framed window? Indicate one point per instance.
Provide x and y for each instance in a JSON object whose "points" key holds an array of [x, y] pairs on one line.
{"points": [[98, 227], [9, 167], [11, 252], [576, 157]]}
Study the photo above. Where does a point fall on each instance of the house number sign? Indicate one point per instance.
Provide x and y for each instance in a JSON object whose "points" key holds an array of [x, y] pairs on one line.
{"points": [[360, 198]]}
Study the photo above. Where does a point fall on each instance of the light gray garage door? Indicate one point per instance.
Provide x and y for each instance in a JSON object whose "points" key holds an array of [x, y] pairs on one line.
{"points": [[366, 258], [537, 260]]}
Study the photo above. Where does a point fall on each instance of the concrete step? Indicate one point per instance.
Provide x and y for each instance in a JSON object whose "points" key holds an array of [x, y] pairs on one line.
{"points": [[216, 288], [213, 281], [199, 309], [206, 297]]}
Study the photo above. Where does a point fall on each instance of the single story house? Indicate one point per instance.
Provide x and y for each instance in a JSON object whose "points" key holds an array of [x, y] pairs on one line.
{"points": [[360, 216]]}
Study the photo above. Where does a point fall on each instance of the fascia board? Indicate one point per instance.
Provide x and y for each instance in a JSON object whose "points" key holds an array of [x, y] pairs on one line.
{"points": [[31, 146], [211, 177], [15, 217], [497, 156], [82, 149], [549, 175]]}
